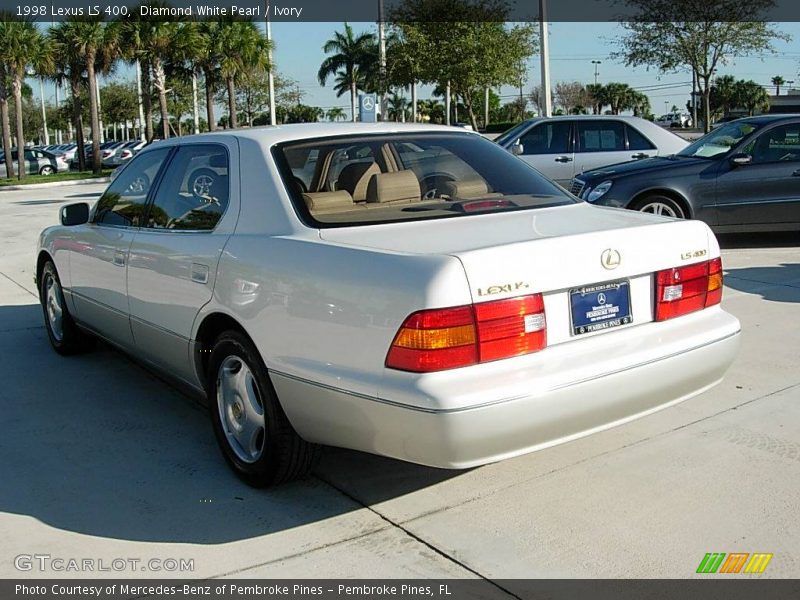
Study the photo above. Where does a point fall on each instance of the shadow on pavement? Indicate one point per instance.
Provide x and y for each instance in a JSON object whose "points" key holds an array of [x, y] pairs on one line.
{"points": [[731, 241], [780, 283], [85, 195], [96, 445]]}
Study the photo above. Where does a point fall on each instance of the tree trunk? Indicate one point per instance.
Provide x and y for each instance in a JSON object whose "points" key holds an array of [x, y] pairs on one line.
{"points": [[232, 120], [5, 125], [468, 99], [77, 121], [96, 166], [160, 83], [212, 124], [147, 101], [706, 105], [17, 87], [249, 111], [414, 101], [353, 98]]}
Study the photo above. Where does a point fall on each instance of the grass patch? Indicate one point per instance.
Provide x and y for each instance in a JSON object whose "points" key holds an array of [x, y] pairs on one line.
{"points": [[66, 176]]}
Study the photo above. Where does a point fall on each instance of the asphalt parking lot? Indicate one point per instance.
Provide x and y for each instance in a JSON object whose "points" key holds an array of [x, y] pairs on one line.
{"points": [[100, 459]]}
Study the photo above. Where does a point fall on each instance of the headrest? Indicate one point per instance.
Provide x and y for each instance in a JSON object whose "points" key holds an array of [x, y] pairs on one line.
{"points": [[401, 186], [328, 201], [464, 190]]}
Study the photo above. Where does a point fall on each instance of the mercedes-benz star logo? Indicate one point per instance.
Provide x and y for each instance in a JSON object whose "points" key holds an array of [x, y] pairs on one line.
{"points": [[367, 103], [610, 259]]}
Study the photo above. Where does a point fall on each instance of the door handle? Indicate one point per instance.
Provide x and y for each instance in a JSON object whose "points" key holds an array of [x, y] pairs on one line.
{"points": [[563, 159], [119, 258], [639, 155]]}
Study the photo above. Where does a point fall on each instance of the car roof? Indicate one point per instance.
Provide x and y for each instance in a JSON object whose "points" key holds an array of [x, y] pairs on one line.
{"points": [[763, 119], [273, 134]]}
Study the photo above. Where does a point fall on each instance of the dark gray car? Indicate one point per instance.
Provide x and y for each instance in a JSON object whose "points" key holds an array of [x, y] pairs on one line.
{"points": [[743, 176]]}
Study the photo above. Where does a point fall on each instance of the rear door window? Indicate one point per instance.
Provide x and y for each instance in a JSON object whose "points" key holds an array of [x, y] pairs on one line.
{"points": [[601, 136]]}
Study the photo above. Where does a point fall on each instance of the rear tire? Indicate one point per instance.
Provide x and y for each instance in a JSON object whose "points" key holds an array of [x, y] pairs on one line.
{"points": [[253, 432], [46, 170], [661, 205], [65, 336]]}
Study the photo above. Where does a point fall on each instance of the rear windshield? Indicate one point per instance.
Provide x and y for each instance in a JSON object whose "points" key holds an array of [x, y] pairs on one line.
{"points": [[373, 179]]}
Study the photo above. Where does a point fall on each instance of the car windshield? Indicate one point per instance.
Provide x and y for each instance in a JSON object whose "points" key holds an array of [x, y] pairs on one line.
{"points": [[719, 141], [509, 135], [373, 179]]}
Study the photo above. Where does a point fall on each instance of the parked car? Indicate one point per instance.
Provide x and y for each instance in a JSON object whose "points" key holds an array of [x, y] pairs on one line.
{"points": [[561, 147], [37, 162], [742, 176], [498, 316], [123, 153], [675, 120]]}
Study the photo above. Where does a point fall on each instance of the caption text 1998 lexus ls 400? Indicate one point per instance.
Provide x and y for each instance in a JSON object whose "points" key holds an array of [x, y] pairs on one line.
{"points": [[411, 291]]}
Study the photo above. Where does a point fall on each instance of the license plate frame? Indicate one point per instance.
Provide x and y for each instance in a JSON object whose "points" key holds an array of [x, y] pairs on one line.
{"points": [[589, 312]]}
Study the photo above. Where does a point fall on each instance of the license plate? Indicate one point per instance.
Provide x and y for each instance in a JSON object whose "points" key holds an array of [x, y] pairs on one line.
{"points": [[600, 306]]}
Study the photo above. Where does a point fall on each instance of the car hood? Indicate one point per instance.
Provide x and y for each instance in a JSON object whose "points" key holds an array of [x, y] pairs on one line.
{"points": [[648, 165]]}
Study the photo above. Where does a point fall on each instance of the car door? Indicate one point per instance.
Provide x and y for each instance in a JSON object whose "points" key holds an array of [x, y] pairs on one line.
{"points": [[174, 256], [31, 162], [765, 192], [599, 143], [98, 253], [548, 146]]}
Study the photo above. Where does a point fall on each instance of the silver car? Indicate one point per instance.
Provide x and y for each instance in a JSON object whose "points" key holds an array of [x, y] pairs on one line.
{"points": [[37, 162], [450, 322], [562, 147]]}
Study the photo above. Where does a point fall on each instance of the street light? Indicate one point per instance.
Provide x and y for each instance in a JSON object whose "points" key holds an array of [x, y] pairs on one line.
{"points": [[595, 63]]}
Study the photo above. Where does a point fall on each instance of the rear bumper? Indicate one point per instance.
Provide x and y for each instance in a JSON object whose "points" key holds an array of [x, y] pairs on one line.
{"points": [[471, 435]]}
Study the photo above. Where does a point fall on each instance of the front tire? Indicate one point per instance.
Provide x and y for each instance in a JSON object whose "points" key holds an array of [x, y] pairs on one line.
{"points": [[46, 170], [65, 336], [252, 430], [661, 205]]}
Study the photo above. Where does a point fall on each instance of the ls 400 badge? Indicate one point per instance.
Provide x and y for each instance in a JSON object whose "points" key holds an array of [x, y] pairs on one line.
{"points": [[503, 289]]}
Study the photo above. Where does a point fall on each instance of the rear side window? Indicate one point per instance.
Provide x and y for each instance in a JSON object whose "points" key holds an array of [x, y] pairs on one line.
{"points": [[601, 136], [123, 203], [636, 141], [193, 195]]}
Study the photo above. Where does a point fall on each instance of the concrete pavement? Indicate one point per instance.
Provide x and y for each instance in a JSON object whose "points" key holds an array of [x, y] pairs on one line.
{"points": [[100, 459]]}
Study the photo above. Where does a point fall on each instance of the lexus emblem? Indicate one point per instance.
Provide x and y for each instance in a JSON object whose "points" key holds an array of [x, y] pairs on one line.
{"points": [[610, 259]]}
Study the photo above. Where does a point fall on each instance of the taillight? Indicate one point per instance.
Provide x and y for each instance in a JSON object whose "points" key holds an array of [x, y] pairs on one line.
{"points": [[686, 289], [439, 339]]}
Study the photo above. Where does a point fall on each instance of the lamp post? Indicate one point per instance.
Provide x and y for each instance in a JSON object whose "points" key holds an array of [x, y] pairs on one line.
{"points": [[595, 63], [547, 102]]}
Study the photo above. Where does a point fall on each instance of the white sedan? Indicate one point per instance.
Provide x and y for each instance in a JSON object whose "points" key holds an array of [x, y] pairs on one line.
{"points": [[411, 291]]}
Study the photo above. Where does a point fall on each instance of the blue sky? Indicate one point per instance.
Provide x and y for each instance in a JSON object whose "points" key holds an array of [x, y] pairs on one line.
{"points": [[298, 54]]}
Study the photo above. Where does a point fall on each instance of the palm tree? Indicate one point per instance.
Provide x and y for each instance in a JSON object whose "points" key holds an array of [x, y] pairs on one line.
{"points": [[95, 43], [752, 96], [778, 81], [69, 63], [243, 50], [24, 46], [205, 55], [398, 107], [5, 40], [336, 114], [350, 53]]}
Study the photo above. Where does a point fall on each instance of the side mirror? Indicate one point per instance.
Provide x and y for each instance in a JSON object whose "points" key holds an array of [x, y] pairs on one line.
{"points": [[74, 214], [741, 159], [517, 149]]}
